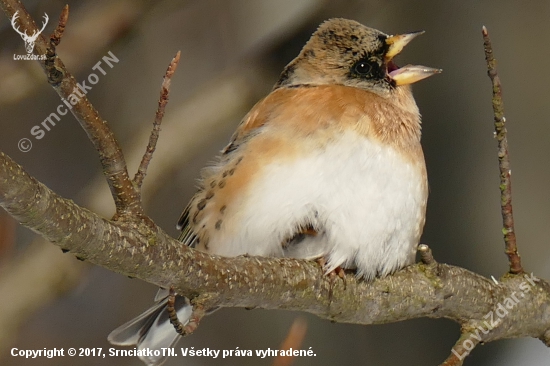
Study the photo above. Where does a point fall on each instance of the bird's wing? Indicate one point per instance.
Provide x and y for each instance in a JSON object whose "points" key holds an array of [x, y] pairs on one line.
{"points": [[249, 126], [187, 236]]}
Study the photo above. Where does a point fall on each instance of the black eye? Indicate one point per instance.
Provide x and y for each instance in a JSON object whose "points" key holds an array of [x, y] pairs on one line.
{"points": [[362, 68]]}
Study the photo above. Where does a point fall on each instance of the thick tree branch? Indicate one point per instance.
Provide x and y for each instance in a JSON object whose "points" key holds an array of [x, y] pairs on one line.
{"points": [[142, 250]]}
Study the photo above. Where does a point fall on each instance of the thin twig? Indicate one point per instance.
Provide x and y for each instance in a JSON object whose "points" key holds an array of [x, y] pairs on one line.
{"points": [[503, 160], [293, 341], [54, 73], [426, 255], [153, 138], [460, 350], [112, 160], [57, 34]]}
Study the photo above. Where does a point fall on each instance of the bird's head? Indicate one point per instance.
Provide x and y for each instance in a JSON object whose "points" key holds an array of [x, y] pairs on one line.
{"points": [[345, 52]]}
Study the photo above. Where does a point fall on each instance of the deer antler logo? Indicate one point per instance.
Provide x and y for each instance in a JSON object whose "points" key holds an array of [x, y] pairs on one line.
{"points": [[29, 40]]}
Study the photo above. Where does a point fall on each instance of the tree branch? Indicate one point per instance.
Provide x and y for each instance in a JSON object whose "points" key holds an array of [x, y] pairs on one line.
{"points": [[503, 160], [134, 246], [153, 138], [140, 250], [98, 131]]}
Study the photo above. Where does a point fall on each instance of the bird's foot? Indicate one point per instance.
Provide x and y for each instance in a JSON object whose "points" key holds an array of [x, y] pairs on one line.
{"points": [[196, 316], [333, 275]]}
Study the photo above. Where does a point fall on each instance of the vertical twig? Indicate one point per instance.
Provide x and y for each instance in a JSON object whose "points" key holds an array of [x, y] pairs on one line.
{"points": [[503, 160], [153, 138], [57, 34], [55, 74]]}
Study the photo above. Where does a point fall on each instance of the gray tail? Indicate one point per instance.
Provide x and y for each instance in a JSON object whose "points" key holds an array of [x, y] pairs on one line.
{"points": [[152, 329]]}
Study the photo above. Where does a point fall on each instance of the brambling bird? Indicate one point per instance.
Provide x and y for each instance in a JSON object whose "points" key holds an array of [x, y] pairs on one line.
{"points": [[328, 165]]}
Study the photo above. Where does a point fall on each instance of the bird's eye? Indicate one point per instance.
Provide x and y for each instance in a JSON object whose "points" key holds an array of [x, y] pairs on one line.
{"points": [[362, 68]]}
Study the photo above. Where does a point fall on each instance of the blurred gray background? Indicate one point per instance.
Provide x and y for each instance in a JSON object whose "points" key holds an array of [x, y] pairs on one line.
{"points": [[232, 53]]}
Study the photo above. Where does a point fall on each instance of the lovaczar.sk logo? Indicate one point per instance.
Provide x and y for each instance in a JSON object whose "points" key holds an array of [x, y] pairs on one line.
{"points": [[29, 40]]}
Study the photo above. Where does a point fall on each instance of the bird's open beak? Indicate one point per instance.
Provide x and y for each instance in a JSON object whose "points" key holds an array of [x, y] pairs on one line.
{"points": [[407, 74]]}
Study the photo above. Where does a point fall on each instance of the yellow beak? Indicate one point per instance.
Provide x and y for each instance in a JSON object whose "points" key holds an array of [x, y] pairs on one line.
{"points": [[398, 42], [411, 73]]}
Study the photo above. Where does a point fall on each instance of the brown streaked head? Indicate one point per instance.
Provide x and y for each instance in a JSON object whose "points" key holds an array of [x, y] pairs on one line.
{"points": [[345, 52]]}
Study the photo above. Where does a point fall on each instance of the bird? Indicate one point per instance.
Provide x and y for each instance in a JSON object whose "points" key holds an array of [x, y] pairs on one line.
{"points": [[328, 166]]}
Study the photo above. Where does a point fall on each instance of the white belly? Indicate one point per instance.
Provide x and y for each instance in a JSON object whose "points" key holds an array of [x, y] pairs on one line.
{"points": [[367, 199]]}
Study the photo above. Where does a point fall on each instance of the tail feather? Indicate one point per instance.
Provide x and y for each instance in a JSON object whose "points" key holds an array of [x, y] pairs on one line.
{"points": [[152, 329]]}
